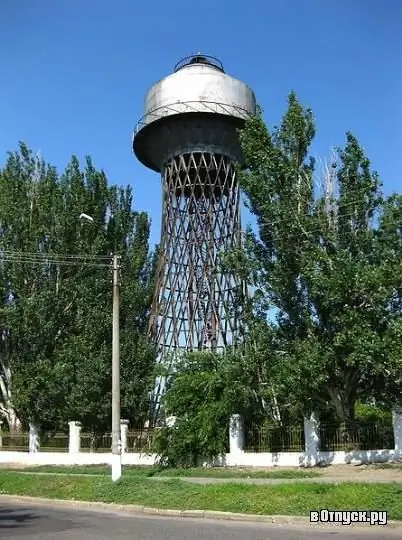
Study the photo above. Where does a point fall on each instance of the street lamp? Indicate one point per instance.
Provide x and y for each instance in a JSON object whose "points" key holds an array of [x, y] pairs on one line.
{"points": [[85, 217], [116, 430]]}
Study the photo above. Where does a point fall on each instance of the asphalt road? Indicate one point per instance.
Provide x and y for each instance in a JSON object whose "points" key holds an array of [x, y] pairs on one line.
{"points": [[43, 522]]}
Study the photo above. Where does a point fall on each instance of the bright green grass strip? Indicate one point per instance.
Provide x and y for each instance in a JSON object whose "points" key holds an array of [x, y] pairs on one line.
{"points": [[289, 499], [201, 472]]}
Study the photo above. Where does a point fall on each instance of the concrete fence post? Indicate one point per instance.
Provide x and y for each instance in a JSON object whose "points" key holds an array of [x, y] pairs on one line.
{"points": [[236, 434], [74, 437], [34, 439], [124, 435], [311, 440], [397, 425]]}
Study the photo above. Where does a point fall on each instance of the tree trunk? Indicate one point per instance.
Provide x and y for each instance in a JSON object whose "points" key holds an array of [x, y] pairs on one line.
{"points": [[10, 416], [14, 422], [344, 404]]}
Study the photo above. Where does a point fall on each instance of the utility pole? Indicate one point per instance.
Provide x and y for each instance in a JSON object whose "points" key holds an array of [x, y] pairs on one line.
{"points": [[116, 435], [116, 429]]}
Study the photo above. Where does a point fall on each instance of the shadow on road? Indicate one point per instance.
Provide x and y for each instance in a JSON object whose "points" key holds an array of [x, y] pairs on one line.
{"points": [[12, 519]]}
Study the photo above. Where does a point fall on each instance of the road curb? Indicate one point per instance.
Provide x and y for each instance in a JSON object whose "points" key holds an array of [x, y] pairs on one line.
{"points": [[198, 514]]}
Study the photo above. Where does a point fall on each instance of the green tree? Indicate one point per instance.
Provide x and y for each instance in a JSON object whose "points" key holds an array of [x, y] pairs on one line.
{"points": [[56, 310], [327, 261], [204, 390]]}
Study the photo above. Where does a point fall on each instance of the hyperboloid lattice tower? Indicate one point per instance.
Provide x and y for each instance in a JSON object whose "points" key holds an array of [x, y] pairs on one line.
{"points": [[189, 134]]}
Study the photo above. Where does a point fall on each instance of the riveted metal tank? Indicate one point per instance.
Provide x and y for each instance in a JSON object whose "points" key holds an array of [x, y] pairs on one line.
{"points": [[197, 108]]}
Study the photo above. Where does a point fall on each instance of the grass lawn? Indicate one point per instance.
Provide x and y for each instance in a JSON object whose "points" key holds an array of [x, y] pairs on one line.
{"points": [[289, 499], [202, 472]]}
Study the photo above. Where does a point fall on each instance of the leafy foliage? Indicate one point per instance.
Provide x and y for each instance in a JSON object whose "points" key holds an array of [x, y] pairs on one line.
{"points": [[205, 390], [323, 319], [56, 316], [328, 263]]}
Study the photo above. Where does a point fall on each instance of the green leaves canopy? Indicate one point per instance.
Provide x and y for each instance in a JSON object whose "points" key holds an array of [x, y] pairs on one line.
{"points": [[56, 316], [327, 260]]}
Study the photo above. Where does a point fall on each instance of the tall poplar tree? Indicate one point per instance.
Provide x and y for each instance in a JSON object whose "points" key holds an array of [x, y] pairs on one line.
{"points": [[328, 261], [56, 313]]}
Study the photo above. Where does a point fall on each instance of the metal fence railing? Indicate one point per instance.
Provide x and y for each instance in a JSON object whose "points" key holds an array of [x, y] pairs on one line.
{"points": [[96, 443], [273, 439], [137, 441], [375, 435], [140, 440], [378, 435], [19, 442], [14, 442], [54, 442]]}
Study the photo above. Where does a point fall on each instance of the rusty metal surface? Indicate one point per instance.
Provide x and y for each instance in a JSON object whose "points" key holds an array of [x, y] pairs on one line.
{"points": [[194, 301]]}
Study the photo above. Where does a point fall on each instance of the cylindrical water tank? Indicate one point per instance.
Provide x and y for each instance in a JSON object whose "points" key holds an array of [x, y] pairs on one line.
{"points": [[198, 108]]}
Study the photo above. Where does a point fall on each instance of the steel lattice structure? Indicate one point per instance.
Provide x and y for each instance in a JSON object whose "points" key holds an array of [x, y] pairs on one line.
{"points": [[189, 135], [194, 302]]}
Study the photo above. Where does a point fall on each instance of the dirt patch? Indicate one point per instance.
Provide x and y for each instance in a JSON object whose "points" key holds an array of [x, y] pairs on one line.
{"points": [[15, 466], [382, 472], [390, 472]]}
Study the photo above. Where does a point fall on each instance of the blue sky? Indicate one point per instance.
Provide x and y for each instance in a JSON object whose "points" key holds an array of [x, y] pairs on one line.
{"points": [[74, 73]]}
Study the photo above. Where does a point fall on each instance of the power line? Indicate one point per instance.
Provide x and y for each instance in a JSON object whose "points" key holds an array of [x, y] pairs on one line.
{"points": [[58, 255], [69, 259], [18, 258], [307, 215], [298, 229]]}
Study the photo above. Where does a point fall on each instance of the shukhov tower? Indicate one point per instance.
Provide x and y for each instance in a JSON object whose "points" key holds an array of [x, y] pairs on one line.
{"points": [[188, 134]]}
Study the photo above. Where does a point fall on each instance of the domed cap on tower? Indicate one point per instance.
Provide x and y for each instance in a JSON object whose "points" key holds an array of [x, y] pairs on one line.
{"points": [[197, 108]]}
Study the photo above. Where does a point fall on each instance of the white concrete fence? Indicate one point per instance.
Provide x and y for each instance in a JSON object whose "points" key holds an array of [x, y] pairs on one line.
{"points": [[311, 456]]}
